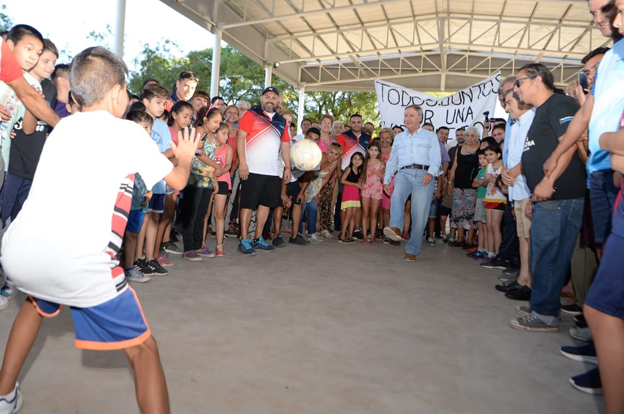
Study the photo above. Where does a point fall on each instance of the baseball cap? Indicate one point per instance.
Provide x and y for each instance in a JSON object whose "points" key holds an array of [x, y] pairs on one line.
{"points": [[271, 89]]}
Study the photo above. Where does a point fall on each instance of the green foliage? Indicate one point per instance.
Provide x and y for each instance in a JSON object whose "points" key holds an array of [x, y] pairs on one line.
{"points": [[342, 105], [5, 21]]}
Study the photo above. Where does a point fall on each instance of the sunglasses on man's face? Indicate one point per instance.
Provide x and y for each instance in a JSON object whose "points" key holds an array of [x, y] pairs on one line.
{"points": [[519, 81]]}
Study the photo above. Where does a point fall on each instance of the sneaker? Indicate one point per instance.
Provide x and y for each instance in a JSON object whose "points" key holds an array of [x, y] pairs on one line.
{"points": [[532, 323], [431, 241], [343, 241], [385, 240], [171, 247], [134, 275], [12, 402], [581, 334], [279, 241], [572, 309], [495, 263], [299, 240], [392, 233], [219, 251], [506, 287], [315, 237], [158, 269], [507, 279], [6, 291], [524, 310], [588, 382], [358, 235], [260, 244], [520, 293], [4, 303], [327, 234], [230, 232], [244, 247], [445, 238], [164, 261], [192, 256], [583, 353], [580, 321], [205, 252], [511, 271], [143, 266], [484, 259]]}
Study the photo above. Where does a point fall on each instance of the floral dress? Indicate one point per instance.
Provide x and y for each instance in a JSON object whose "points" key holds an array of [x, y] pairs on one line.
{"points": [[373, 187], [202, 175]]}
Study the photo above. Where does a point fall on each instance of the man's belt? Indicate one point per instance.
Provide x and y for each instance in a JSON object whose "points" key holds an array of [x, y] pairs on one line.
{"points": [[415, 167]]}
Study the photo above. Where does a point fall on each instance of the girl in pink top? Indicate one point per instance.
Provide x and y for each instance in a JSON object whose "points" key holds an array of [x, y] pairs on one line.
{"points": [[223, 157], [372, 189]]}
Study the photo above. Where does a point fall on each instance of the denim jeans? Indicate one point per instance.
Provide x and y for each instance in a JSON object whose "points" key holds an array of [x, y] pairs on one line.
{"points": [[602, 194], [312, 214], [554, 230], [409, 182]]}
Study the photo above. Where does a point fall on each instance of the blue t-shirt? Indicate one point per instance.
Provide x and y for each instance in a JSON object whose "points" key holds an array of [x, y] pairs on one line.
{"points": [[608, 105], [162, 137]]}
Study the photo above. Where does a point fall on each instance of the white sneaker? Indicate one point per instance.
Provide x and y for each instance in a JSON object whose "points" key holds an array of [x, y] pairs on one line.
{"points": [[327, 234], [12, 402], [4, 303], [315, 237], [135, 275]]}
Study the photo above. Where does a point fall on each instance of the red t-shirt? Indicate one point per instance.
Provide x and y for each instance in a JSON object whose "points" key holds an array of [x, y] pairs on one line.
{"points": [[9, 68], [349, 147], [263, 142]]}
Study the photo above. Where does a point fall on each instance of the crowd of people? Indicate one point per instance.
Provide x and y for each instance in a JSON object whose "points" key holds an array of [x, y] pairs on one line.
{"points": [[528, 195]]}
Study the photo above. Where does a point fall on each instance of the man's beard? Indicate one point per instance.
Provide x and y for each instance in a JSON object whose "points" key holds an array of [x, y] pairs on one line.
{"points": [[268, 110]]}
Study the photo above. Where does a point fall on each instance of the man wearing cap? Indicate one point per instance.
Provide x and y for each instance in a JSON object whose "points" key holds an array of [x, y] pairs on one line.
{"points": [[262, 133], [184, 89], [416, 160]]}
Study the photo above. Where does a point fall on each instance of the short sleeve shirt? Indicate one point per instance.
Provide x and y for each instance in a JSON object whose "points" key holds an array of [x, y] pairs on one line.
{"points": [[550, 122], [263, 142], [94, 169], [162, 137]]}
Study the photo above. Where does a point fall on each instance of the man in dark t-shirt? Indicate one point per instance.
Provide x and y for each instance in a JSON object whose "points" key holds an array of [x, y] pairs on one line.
{"points": [[558, 199]]}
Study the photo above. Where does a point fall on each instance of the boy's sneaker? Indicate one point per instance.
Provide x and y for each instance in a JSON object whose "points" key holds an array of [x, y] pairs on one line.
{"points": [[205, 252], [219, 251], [532, 323], [584, 353], [262, 245], [588, 382], [12, 402], [143, 266], [580, 321], [192, 256], [134, 275], [279, 241], [244, 247], [158, 269], [4, 302], [315, 237], [572, 309], [581, 334], [327, 234], [6, 291], [495, 263], [171, 247], [445, 238], [164, 261], [385, 240], [358, 235], [431, 241], [524, 310]]}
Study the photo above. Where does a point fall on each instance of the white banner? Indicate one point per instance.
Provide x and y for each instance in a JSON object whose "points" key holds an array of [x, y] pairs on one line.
{"points": [[462, 109]]}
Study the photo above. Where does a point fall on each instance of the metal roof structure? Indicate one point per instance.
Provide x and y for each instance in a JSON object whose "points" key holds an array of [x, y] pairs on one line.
{"points": [[427, 45]]}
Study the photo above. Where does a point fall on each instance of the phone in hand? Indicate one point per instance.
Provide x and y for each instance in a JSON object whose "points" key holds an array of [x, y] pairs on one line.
{"points": [[583, 82]]}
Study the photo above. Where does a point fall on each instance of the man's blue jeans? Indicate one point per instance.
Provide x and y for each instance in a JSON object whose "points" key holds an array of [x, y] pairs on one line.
{"points": [[602, 194], [312, 214], [409, 182], [554, 230]]}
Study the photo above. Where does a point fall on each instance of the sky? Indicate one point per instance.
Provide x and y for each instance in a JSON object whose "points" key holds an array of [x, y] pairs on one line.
{"points": [[147, 21]]}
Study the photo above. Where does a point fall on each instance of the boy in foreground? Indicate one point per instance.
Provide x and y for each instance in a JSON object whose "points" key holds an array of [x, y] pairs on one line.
{"points": [[85, 274]]}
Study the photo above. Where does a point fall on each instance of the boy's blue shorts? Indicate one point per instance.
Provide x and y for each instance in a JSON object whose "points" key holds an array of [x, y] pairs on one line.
{"points": [[607, 291], [135, 221], [156, 204], [116, 324]]}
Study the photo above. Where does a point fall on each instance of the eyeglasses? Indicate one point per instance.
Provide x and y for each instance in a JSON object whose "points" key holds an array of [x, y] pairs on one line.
{"points": [[517, 82]]}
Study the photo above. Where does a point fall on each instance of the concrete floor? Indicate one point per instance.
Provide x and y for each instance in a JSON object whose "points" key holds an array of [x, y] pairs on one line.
{"points": [[327, 328]]}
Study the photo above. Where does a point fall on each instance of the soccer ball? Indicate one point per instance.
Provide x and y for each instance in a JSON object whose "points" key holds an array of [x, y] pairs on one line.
{"points": [[306, 155]]}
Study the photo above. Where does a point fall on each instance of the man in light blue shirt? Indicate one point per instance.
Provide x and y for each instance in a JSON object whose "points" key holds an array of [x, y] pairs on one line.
{"points": [[416, 160], [518, 190]]}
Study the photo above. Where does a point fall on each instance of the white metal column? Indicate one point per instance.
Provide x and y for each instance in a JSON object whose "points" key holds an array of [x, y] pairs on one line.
{"points": [[216, 64], [268, 75], [301, 112], [120, 26]]}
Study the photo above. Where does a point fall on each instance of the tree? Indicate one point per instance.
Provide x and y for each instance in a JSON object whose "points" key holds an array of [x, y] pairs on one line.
{"points": [[5, 21]]}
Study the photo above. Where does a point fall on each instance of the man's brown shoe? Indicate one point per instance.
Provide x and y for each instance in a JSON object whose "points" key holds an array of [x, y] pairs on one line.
{"points": [[393, 233], [409, 257]]}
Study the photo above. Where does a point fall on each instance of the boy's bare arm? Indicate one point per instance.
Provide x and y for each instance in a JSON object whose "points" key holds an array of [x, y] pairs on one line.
{"points": [[33, 101], [613, 142], [29, 123], [184, 152]]}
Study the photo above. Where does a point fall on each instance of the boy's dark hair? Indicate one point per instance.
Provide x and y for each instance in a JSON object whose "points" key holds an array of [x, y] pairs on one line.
{"points": [[424, 125], [133, 96], [438, 130], [355, 115], [481, 152], [201, 94], [177, 107], [155, 90], [313, 130], [187, 74], [500, 126], [93, 73], [19, 31], [215, 99], [137, 115], [60, 70], [70, 99], [494, 148], [490, 142], [598, 51], [137, 106], [460, 129], [148, 81], [401, 128], [306, 119], [3, 34], [48, 45]]}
